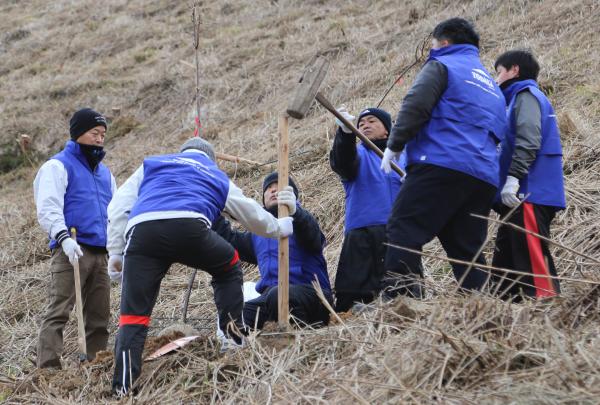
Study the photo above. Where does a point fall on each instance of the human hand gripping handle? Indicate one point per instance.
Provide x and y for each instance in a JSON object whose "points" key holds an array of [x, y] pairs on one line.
{"points": [[509, 192], [115, 267], [72, 250], [386, 161], [286, 228], [288, 198], [342, 110]]}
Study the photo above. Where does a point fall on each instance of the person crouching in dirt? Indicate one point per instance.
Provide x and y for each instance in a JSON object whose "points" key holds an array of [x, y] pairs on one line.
{"points": [[450, 123], [530, 171], [163, 215], [73, 189], [370, 194], [306, 260]]}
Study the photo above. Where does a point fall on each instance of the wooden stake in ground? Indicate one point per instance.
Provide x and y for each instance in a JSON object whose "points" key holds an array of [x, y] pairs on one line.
{"points": [[79, 307], [196, 22], [283, 211]]}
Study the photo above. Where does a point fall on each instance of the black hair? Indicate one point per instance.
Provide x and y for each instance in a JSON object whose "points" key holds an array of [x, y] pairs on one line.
{"points": [[457, 31], [529, 67]]}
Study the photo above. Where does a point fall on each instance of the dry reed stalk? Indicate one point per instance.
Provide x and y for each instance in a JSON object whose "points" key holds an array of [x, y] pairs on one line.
{"points": [[488, 267]]}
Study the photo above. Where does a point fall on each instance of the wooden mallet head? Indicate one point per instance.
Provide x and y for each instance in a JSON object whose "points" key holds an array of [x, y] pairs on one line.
{"points": [[308, 86]]}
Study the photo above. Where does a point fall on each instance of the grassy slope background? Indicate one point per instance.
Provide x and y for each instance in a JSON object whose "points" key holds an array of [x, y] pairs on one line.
{"points": [[138, 56]]}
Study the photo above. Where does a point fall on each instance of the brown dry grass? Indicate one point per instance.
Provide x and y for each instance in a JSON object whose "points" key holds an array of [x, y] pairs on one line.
{"points": [[136, 55]]}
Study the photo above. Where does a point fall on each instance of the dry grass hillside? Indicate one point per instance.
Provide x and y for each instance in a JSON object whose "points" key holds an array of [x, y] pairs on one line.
{"points": [[57, 56]]}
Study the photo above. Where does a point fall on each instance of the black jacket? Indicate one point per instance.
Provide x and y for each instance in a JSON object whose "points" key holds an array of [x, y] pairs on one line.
{"points": [[343, 157], [306, 231]]}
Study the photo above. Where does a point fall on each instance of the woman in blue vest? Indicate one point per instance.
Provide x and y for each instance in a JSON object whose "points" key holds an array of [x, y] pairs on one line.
{"points": [[73, 189], [306, 260], [163, 215], [370, 194], [530, 171], [450, 124]]}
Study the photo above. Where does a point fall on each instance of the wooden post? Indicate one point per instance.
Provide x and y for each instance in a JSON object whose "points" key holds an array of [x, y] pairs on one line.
{"points": [[196, 21], [79, 308], [24, 143], [283, 211], [235, 159]]}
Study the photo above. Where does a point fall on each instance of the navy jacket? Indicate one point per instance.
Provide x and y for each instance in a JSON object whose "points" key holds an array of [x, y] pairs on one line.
{"points": [[306, 251]]}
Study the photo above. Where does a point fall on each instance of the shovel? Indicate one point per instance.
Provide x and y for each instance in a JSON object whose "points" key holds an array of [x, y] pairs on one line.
{"points": [[79, 307]]}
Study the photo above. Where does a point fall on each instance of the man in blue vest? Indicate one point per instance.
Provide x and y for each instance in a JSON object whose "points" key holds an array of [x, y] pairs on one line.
{"points": [[530, 171], [306, 261], [450, 124], [73, 189], [370, 194], [163, 215]]}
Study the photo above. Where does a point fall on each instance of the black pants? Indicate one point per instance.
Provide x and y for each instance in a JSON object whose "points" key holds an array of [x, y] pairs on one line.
{"points": [[304, 305], [517, 250], [435, 201], [151, 249], [361, 267]]}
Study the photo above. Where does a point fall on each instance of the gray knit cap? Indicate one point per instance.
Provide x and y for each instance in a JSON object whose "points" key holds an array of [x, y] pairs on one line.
{"points": [[201, 145]]}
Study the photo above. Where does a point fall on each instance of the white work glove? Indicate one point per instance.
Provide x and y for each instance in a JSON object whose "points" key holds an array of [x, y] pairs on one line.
{"points": [[344, 112], [287, 197], [72, 250], [386, 161], [509, 192], [115, 267], [286, 228]]}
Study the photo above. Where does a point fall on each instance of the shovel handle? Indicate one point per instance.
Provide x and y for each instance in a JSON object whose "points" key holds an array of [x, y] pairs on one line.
{"points": [[329, 107], [79, 307]]}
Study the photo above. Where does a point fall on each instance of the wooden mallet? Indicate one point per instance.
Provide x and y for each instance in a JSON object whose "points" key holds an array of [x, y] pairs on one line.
{"points": [[308, 90], [299, 104], [309, 85]]}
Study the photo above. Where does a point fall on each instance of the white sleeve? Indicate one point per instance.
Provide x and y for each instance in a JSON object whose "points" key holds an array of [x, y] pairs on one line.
{"points": [[118, 211], [113, 184], [250, 214], [49, 188]]}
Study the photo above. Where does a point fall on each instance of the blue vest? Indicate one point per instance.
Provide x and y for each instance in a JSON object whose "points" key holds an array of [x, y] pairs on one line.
{"points": [[544, 182], [370, 196], [303, 265], [189, 182], [468, 121], [86, 198]]}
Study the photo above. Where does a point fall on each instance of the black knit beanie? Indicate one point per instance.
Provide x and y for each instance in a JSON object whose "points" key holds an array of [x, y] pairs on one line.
{"points": [[382, 115], [274, 177], [84, 120]]}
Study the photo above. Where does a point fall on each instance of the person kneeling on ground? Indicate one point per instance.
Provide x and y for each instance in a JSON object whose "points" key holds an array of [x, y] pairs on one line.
{"points": [[306, 260], [163, 215]]}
